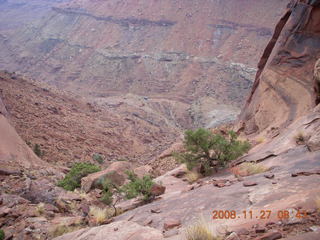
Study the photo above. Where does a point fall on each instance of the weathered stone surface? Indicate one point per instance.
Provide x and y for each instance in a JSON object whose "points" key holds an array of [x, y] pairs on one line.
{"points": [[115, 172], [270, 236], [122, 230], [285, 71]]}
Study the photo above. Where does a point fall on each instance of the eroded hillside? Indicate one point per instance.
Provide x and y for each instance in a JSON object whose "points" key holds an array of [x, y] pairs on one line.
{"points": [[202, 55], [69, 129]]}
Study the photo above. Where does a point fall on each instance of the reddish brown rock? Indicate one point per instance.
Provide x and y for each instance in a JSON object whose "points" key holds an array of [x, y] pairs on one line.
{"points": [[286, 71], [157, 190], [115, 172], [270, 236], [171, 223], [249, 184]]}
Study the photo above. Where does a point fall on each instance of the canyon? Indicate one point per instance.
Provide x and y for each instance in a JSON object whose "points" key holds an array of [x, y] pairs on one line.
{"points": [[123, 79]]}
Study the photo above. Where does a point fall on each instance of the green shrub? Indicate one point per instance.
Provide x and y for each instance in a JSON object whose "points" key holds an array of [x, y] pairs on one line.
{"points": [[2, 235], [205, 150], [37, 150], [138, 186], [98, 158], [79, 170], [108, 189]]}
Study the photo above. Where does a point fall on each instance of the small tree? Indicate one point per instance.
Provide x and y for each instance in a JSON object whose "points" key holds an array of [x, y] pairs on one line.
{"points": [[138, 186], [79, 170], [206, 150], [111, 194]]}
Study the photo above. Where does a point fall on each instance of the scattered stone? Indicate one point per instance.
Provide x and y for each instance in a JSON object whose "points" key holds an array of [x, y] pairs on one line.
{"points": [[242, 231], [155, 211], [269, 176], [147, 222], [171, 223], [233, 236], [249, 184], [260, 230], [270, 236]]}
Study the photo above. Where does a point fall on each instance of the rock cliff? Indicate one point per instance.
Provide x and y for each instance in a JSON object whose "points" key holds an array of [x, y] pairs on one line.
{"points": [[285, 88]]}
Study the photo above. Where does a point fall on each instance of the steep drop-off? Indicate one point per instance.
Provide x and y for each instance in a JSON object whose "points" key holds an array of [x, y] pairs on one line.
{"points": [[285, 88], [201, 55]]}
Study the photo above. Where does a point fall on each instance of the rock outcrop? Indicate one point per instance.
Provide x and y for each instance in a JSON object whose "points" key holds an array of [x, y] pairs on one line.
{"points": [[284, 88]]}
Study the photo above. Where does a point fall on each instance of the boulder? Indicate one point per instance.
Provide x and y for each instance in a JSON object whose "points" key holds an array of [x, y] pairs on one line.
{"points": [[115, 172], [171, 223], [122, 230]]}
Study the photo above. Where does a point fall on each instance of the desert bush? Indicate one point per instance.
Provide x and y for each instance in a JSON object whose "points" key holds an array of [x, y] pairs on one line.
{"points": [[98, 158], [37, 150], [248, 168], [2, 235], [205, 150], [79, 170], [138, 186], [201, 230]]}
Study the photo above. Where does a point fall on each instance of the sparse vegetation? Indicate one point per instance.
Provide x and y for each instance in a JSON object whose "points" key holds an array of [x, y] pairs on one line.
{"points": [[248, 168], [260, 140], [201, 230], [63, 229], [318, 203], [2, 235], [300, 138], [37, 150], [98, 158], [138, 186], [79, 170], [192, 176], [206, 150], [40, 208]]}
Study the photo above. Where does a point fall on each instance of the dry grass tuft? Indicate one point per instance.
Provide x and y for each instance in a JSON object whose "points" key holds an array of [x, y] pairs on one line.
{"points": [[63, 229], [248, 168], [192, 176], [40, 208], [201, 230], [300, 138], [100, 215], [317, 201]]}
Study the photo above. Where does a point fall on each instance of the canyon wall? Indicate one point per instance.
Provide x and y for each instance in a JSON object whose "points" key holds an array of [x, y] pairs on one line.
{"points": [[285, 87]]}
